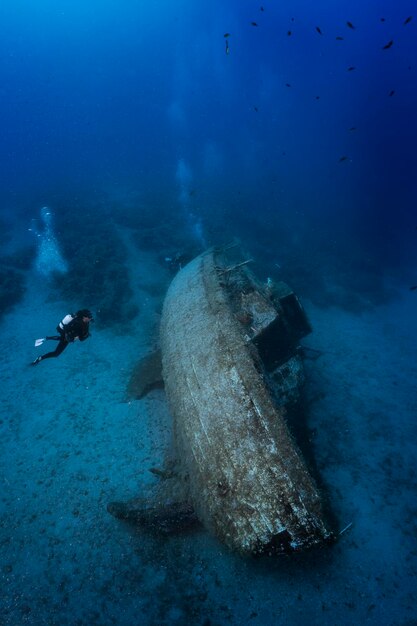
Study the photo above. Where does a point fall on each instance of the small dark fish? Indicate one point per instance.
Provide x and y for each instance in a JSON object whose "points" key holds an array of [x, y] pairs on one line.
{"points": [[413, 288], [352, 128], [339, 38], [289, 33], [255, 109], [391, 93], [262, 9], [318, 30], [350, 25], [351, 68], [382, 19], [343, 158], [254, 24], [292, 19], [226, 35], [408, 20], [317, 97], [227, 50], [287, 85], [388, 45]]}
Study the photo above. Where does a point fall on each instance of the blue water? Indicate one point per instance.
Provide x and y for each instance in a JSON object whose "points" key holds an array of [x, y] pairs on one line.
{"points": [[134, 136]]}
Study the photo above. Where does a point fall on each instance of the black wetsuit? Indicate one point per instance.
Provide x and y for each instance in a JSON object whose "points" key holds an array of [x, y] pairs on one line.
{"points": [[76, 328]]}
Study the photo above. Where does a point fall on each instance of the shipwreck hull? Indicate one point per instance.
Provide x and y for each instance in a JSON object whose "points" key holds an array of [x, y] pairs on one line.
{"points": [[248, 481]]}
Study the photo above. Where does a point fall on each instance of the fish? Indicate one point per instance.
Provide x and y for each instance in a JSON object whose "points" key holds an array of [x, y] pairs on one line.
{"points": [[391, 93], [408, 20], [317, 97], [382, 19], [352, 128], [343, 158], [289, 33], [227, 50], [262, 9], [226, 35], [413, 288], [339, 38], [350, 25], [255, 109], [351, 68], [287, 85], [254, 24], [318, 30], [388, 45]]}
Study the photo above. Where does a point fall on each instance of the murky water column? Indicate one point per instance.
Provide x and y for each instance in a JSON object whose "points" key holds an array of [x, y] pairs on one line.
{"points": [[194, 224], [49, 259]]}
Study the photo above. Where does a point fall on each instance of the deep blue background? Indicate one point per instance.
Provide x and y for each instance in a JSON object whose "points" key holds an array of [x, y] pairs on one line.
{"points": [[96, 95]]}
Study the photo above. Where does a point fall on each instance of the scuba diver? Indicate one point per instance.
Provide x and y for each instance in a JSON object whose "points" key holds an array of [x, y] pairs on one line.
{"points": [[73, 327]]}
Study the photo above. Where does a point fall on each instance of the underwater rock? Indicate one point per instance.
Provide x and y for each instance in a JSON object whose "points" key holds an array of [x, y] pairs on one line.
{"points": [[12, 288], [147, 375], [165, 519]]}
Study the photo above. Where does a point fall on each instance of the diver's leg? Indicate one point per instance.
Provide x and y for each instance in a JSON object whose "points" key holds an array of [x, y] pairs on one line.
{"points": [[49, 355]]}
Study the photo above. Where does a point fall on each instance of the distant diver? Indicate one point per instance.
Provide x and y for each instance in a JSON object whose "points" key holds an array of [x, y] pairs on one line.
{"points": [[72, 327]]}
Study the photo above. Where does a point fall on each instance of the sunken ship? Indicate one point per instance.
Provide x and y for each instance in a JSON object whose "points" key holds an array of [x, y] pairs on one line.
{"points": [[232, 369]]}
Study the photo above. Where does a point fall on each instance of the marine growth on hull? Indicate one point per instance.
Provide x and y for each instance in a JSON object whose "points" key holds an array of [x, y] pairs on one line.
{"points": [[232, 369]]}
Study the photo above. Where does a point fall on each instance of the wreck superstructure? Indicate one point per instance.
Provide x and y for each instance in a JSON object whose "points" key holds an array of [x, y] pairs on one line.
{"points": [[231, 368]]}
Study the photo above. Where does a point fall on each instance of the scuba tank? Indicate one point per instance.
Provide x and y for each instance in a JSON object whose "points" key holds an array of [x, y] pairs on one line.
{"points": [[67, 319], [64, 327]]}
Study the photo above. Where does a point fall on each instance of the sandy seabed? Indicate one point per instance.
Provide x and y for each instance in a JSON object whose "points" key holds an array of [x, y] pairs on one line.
{"points": [[71, 441]]}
